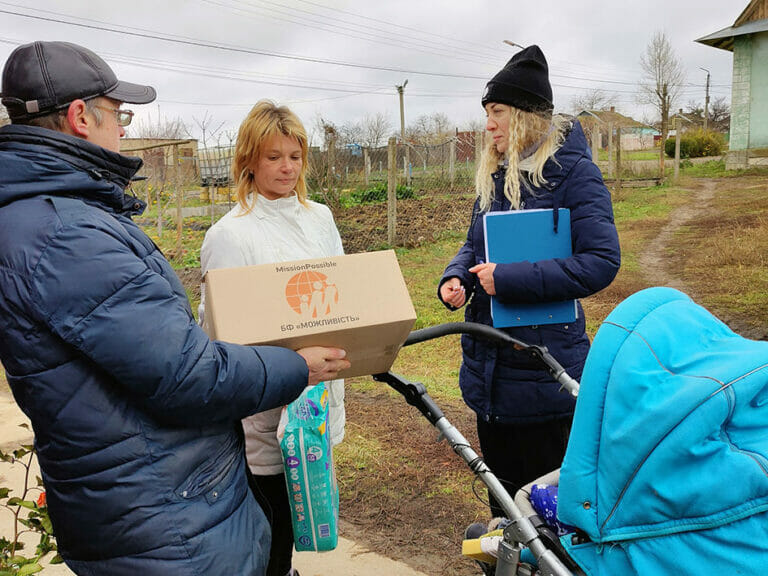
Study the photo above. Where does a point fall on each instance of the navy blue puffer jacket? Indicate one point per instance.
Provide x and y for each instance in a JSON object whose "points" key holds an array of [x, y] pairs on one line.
{"points": [[503, 385], [135, 411]]}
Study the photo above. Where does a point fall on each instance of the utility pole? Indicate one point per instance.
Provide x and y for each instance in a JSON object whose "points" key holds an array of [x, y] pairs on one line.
{"points": [[706, 100], [406, 169]]}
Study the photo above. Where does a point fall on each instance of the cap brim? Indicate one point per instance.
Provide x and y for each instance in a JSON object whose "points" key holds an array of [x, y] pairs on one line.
{"points": [[132, 93]]}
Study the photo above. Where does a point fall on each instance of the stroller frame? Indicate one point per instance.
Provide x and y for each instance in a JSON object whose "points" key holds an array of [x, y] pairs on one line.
{"points": [[521, 532]]}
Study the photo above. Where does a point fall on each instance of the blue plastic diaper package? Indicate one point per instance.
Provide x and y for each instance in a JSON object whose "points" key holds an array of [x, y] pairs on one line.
{"points": [[309, 472]]}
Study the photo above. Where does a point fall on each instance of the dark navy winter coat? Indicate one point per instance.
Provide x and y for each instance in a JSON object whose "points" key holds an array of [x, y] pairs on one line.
{"points": [[135, 411], [505, 386]]}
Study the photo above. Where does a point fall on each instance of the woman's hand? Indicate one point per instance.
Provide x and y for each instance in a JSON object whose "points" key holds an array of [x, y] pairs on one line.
{"points": [[485, 276], [324, 363], [453, 293]]}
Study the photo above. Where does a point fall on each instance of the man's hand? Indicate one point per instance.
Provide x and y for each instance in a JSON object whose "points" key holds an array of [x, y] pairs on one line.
{"points": [[324, 363], [453, 293], [485, 276]]}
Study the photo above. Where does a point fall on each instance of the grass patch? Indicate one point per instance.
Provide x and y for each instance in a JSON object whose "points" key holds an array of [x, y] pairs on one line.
{"points": [[710, 169], [723, 255], [191, 240], [629, 155]]}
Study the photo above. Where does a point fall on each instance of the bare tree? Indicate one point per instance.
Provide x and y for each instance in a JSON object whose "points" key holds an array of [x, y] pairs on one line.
{"points": [[349, 133], [211, 167], [474, 125], [442, 127], [375, 130], [595, 99], [662, 82], [694, 111], [429, 130], [160, 128], [720, 114]]}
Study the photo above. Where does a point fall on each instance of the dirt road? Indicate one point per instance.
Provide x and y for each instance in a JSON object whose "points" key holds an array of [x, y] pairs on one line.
{"points": [[653, 260]]}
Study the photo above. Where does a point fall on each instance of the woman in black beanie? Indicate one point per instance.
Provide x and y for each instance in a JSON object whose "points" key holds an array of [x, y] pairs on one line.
{"points": [[532, 160]]}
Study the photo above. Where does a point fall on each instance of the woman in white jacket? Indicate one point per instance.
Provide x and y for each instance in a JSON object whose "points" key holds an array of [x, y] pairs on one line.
{"points": [[273, 222]]}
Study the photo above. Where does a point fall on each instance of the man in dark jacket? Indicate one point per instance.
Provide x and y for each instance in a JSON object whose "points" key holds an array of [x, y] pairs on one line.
{"points": [[135, 411]]}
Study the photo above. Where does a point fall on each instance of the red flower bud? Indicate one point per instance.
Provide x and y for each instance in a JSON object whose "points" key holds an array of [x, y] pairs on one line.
{"points": [[41, 501]]}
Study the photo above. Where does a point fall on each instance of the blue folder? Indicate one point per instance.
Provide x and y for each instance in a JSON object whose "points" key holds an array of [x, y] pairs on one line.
{"points": [[528, 235]]}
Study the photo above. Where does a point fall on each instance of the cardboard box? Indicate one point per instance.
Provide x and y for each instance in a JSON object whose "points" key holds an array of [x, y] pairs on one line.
{"points": [[358, 302]]}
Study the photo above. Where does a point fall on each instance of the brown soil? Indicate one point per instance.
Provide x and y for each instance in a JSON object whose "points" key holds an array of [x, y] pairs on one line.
{"points": [[419, 220], [402, 511]]}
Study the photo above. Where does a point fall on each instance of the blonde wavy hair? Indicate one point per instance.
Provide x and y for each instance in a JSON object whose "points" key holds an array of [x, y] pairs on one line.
{"points": [[265, 120], [526, 129]]}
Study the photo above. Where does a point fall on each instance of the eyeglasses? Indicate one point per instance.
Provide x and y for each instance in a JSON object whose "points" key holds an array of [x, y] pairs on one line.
{"points": [[124, 117]]}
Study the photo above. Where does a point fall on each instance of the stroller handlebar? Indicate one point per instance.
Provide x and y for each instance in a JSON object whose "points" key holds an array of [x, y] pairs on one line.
{"points": [[521, 531], [486, 332]]}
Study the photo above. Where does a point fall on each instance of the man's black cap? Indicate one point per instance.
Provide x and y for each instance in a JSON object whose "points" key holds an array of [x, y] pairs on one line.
{"points": [[522, 83], [42, 77]]}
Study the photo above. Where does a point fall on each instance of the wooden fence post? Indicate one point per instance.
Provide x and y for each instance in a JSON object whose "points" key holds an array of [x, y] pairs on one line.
{"points": [[611, 165], [595, 141], [366, 165], [618, 157], [212, 193], [407, 162], [331, 173], [179, 202], [452, 162], [677, 125], [392, 191]]}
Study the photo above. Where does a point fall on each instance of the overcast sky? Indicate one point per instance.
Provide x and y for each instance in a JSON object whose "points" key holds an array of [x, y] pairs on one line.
{"points": [[213, 59]]}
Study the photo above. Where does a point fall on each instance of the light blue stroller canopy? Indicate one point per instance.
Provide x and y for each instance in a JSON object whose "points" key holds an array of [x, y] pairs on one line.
{"points": [[667, 466]]}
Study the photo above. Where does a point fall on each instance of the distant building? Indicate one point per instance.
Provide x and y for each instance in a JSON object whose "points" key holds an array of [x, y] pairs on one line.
{"points": [[634, 135], [748, 40], [160, 155]]}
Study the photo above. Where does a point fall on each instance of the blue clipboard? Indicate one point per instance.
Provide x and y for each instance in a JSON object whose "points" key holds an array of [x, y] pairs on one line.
{"points": [[528, 235]]}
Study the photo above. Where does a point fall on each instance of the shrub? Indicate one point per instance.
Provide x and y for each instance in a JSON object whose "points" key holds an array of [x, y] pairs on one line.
{"points": [[696, 144], [34, 519], [378, 193]]}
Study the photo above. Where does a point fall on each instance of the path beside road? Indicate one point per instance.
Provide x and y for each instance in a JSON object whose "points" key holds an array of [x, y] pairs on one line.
{"points": [[349, 558]]}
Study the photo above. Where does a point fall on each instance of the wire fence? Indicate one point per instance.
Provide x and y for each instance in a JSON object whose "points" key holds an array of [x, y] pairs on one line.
{"points": [[385, 196], [381, 197]]}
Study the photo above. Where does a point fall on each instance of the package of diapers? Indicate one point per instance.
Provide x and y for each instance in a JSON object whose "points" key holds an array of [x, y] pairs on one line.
{"points": [[309, 472]]}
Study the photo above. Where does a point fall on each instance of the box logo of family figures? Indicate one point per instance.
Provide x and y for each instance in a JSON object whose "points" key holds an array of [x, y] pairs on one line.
{"points": [[310, 294], [358, 302]]}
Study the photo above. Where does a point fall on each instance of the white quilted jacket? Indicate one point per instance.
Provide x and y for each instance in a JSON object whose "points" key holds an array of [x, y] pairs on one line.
{"points": [[274, 231]]}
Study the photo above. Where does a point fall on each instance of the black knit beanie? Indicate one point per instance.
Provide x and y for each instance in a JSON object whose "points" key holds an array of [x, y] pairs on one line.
{"points": [[522, 83]]}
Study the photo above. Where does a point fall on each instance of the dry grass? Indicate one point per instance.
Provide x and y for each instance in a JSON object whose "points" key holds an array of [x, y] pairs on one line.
{"points": [[723, 255], [640, 214]]}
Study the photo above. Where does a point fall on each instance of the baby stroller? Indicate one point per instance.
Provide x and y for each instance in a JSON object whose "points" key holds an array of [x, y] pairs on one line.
{"points": [[666, 470]]}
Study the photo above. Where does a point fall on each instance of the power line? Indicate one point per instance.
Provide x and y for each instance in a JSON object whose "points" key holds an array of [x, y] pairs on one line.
{"points": [[202, 71], [239, 49], [336, 27], [409, 28]]}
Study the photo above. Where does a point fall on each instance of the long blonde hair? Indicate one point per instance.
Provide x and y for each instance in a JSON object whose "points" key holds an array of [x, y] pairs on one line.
{"points": [[265, 120], [526, 129]]}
